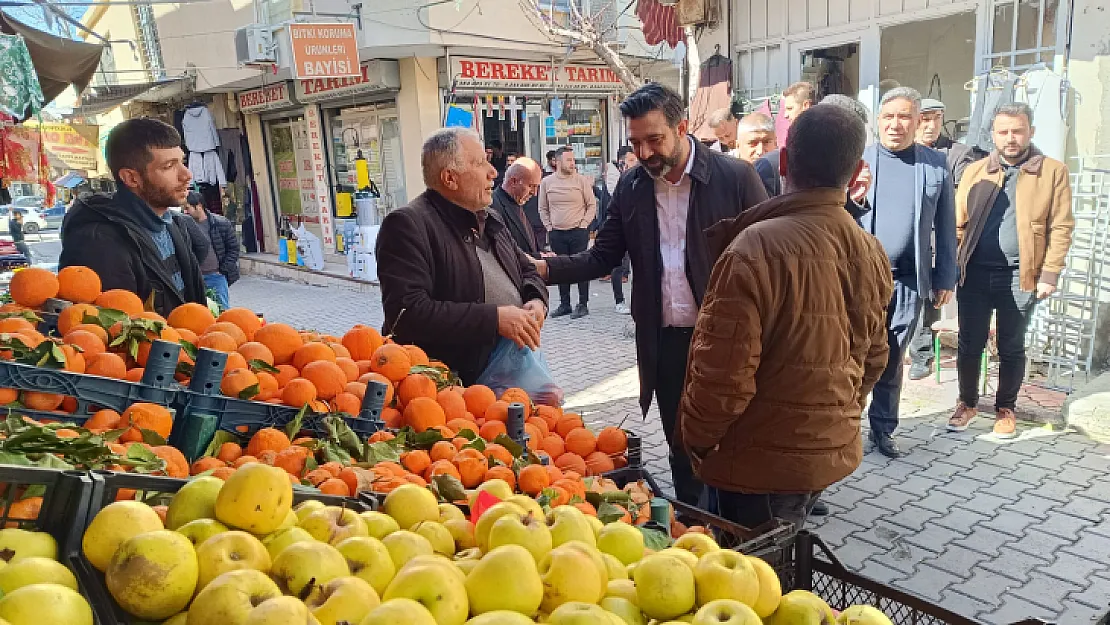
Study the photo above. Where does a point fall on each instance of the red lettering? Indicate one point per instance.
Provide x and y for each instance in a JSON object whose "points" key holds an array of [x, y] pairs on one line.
{"points": [[528, 72], [543, 72], [483, 69], [498, 71], [466, 69], [514, 72], [593, 74]]}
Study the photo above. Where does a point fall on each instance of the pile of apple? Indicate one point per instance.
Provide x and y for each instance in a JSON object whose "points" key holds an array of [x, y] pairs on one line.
{"points": [[237, 552], [36, 588]]}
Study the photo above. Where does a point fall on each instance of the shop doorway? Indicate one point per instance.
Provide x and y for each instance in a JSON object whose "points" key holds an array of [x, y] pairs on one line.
{"points": [[832, 70], [936, 57]]}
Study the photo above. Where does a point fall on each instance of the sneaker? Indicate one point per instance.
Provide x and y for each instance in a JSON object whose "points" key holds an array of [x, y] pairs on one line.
{"points": [[1005, 423], [920, 370], [562, 311], [623, 309], [579, 312], [962, 417]]}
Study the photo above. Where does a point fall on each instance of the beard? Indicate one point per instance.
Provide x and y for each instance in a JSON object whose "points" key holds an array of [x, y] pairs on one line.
{"points": [[162, 196], [659, 165]]}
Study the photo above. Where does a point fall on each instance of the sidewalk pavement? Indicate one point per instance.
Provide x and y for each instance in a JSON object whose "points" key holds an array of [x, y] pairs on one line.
{"points": [[997, 530]]}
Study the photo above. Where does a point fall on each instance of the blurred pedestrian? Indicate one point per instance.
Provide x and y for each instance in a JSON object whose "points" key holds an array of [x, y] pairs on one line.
{"points": [[221, 267], [567, 207]]}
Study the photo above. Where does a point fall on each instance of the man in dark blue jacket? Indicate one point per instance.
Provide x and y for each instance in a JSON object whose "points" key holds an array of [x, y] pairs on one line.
{"points": [[221, 267]]}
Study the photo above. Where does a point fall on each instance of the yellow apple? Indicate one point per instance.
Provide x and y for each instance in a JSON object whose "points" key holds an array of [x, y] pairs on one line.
{"points": [[687, 557], [598, 561], [498, 488], [622, 541], [35, 571], [439, 536], [277, 542], [770, 589], [200, 530], [615, 567], [726, 612], [623, 588], [281, 611], [343, 600], [307, 507], [462, 532], [862, 615], [501, 617], [333, 525], [255, 498], [665, 587], [410, 504], [291, 520], [436, 588], [595, 524], [230, 551], [17, 544], [232, 597], [488, 518], [378, 524], [569, 575], [527, 530], [802, 607], [529, 505], [368, 558], [697, 544], [626, 610], [578, 613], [398, 611], [38, 604], [404, 545], [195, 500], [177, 619], [437, 560], [505, 579], [153, 575], [449, 512], [726, 574], [307, 562], [568, 523], [114, 524]]}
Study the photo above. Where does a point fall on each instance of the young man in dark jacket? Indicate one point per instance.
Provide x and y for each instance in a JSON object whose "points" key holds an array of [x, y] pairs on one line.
{"points": [[222, 269], [131, 238]]}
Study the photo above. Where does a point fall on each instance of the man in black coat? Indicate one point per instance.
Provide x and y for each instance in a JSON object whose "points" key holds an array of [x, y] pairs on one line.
{"points": [[659, 214], [522, 180], [453, 281], [131, 238], [222, 270]]}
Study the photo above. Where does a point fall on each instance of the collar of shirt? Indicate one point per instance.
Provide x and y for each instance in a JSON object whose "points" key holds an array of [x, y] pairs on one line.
{"points": [[685, 172]]}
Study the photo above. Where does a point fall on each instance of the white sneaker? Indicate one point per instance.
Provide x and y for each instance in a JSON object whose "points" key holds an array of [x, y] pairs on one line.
{"points": [[622, 309]]}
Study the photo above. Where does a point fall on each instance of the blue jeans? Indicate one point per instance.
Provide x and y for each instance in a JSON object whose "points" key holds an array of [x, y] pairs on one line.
{"points": [[218, 283], [901, 319]]}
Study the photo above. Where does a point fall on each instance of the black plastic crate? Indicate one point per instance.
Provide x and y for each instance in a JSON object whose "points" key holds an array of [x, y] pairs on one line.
{"points": [[106, 485]]}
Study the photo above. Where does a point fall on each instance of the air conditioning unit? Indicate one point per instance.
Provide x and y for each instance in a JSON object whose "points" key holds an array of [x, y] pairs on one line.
{"points": [[254, 45]]}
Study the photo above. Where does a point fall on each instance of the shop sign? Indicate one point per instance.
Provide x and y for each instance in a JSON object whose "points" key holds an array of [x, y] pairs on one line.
{"points": [[74, 145], [317, 208], [376, 75], [268, 98], [324, 50], [493, 74]]}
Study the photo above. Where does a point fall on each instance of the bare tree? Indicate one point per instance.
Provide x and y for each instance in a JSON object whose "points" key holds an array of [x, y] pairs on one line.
{"points": [[581, 31]]}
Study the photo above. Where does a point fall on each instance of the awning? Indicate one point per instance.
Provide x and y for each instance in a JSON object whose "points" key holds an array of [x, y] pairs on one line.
{"points": [[70, 180], [103, 98], [59, 62]]}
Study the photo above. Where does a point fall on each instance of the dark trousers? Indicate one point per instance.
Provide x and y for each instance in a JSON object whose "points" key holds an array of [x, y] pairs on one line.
{"points": [[24, 249], [540, 234], [983, 292], [922, 343], [753, 510], [566, 243], [617, 278], [674, 348], [901, 316]]}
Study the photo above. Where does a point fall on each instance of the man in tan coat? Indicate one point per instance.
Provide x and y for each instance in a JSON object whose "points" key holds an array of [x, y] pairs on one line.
{"points": [[791, 336], [1014, 224]]}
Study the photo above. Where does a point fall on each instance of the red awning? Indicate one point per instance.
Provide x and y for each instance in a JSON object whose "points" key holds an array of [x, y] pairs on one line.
{"points": [[660, 23]]}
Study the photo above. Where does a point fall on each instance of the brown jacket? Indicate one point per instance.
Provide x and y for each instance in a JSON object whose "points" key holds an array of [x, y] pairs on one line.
{"points": [[1044, 217], [790, 340]]}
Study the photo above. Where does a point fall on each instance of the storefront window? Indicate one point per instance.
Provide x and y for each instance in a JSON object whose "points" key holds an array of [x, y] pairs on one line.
{"points": [[582, 127], [373, 131], [283, 159], [1023, 33]]}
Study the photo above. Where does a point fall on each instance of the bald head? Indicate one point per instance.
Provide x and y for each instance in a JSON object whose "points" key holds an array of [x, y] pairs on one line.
{"points": [[522, 179]]}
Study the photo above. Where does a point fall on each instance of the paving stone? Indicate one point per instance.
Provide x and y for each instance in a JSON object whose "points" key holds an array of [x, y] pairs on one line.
{"points": [[1097, 594], [1073, 568], [1014, 564], [1029, 474], [918, 485], [1077, 475], [883, 534], [987, 586], [946, 445], [941, 470], [964, 605], [957, 560], [865, 514], [1059, 491], [960, 520], [934, 537], [962, 486], [1050, 592], [874, 483], [964, 458], [881, 572], [984, 472], [921, 457], [835, 530], [1015, 609], [854, 552], [1075, 612], [1073, 443], [1013, 524], [903, 557], [1006, 459], [928, 582], [1092, 546], [1050, 460], [1097, 462], [1038, 543], [848, 495], [1086, 508], [899, 470], [1008, 488], [1063, 525], [1028, 448], [940, 502], [892, 500], [984, 540], [912, 517]]}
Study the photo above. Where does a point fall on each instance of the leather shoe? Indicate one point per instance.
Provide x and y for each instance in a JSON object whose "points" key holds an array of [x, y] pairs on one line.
{"points": [[820, 508], [886, 445], [562, 311], [920, 371], [580, 311]]}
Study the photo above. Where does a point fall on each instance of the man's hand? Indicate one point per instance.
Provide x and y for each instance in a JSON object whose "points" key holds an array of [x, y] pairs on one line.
{"points": [[859, 187], [1045, 290], [941, 298], [519, 326], [541, 266], [538, 310]]}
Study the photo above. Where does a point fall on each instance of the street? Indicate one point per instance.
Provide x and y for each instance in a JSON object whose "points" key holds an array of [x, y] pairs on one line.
{"points": [[996, 530]]}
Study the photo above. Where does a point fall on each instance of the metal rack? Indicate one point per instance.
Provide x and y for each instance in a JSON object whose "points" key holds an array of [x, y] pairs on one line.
{"points": [[1061, 334]]}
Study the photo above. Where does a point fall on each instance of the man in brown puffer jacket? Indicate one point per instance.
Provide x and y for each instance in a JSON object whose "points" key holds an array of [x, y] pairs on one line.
{"points": [[791, 336]]}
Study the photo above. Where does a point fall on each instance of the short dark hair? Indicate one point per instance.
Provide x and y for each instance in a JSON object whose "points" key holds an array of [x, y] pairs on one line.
{"points": [[1014, 109], [624, 149], [495, 144], [824, 147], [550, 154], [563, 150], [801, 91], [128, 145], [194, 199], [654, 97]]}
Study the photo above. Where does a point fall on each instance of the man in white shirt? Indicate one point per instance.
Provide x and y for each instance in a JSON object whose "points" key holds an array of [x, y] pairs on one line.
{"points": [[659, 214]]}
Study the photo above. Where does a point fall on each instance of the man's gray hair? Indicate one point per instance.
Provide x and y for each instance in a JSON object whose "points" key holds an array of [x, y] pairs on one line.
{"points": [[847, 103], [824, 148], [756, 122], [718, 117], [903, 93], [1014, 109], [441, 151]]}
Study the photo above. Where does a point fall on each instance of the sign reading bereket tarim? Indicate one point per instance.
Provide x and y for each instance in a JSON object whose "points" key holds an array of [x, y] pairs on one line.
{"points": [[324, 50]]}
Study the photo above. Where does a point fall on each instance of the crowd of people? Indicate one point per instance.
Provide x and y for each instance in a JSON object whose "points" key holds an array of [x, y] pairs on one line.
{"points": [[778, 284]]}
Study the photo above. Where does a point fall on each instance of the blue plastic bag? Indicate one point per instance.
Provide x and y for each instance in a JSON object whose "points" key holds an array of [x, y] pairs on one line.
{"points": [[519, 367]]}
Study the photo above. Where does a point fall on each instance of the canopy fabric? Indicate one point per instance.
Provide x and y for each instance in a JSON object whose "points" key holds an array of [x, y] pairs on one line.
{"points": [[107, 97], [20, 94], [59, 62]]}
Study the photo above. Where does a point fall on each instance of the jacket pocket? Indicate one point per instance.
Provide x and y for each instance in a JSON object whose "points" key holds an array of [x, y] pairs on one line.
{"points": [[1040, 243]]}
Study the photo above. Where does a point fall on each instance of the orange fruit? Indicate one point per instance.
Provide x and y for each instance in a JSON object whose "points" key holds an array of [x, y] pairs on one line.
{"points": [[193, 316], [442, 450], [229, 329], [206, 464], [568, 422], [538, 423], [587, 508], [349, 367], [501, 473], [554, 472], [134, 375], [74, 360], [612, 440], [103, 420], [326, 376], [377, 377], [442, 467], [533, 479], [176, 464], [415, 385], [285, 374], [422, 413], [491, 430], [358, 389], [256, 351], [267, 439], [32, 286], [121, 300], [498, 411], [187, 335], [106, 365], [478, 398], [454, 406], [247, 321], [550, 415], [416, 461], [562, 497], [350, 477], [471, 471], [298, 392], [458, 425], [235, 360], [535, 437], [317, 476], [416, 355], [229, 452], [96, 330], [553, 445], [570, 461], [12, 325], [392, 361], [580, 441], [598, 462], [238, 381], [242, 460], [338, 349], [312, 352], [348, 403], [335, 486], [89, 343], [282, 340], [292, 460], [145, 416], [8, 395], [363, 367], [518, 396], [362, 341], [42, 401], [392, 418], [73, 316], [267, 386], [218, 341], [499, 453], [79, 285]]}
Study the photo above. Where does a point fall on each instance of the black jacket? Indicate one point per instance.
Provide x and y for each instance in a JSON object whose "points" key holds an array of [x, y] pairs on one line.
{"points": [[224, 243], [722, 188], [509, 212], [428, 268], [957, 156], [767, 166], [102, 232]]}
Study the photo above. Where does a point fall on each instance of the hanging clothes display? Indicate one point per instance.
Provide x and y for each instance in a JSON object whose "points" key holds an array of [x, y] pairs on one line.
{"points": [[20, 93], [714, 89], [202, 141], [988, 92], [1047, 93], [207, 168]]}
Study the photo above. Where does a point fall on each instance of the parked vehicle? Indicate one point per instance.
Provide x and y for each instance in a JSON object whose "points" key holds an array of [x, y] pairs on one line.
{"points": [[33, 218], [54, 216]]}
